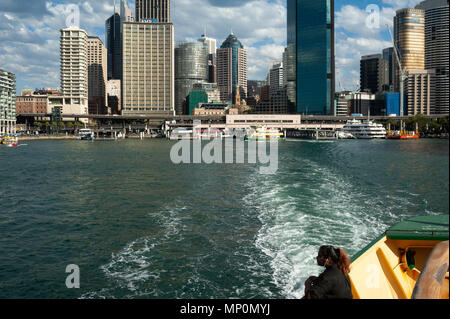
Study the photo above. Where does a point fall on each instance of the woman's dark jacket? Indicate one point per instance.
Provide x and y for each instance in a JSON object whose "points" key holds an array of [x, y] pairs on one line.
{"points": [[331, 284]]}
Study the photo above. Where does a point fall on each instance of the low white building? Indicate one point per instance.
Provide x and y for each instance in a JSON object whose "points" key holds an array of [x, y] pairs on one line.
{"points": [[69, 106]]}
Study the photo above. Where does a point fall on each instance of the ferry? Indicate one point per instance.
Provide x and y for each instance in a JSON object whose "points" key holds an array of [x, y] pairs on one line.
{"points": [[10, 140], [181, 133], [397, 135], [408, 261], [85, 135], [263, 134], [365, 129], [208, 133]]}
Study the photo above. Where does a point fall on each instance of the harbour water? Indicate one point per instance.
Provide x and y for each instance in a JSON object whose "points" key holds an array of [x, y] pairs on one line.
{"points": [[139, 226]]}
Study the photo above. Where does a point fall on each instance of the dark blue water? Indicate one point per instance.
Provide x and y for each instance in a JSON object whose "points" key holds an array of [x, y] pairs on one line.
{"points": [[139, 226]]}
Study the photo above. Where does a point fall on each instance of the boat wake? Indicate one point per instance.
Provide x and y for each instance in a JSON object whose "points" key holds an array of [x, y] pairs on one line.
{"points": [[136, 270], [300, 212]]}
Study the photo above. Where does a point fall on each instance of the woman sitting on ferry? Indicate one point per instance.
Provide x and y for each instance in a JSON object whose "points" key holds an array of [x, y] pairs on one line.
{"points": [[334, 282]]}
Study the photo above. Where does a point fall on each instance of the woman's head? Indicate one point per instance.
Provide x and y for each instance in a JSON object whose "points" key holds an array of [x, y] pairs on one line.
{"points": [[328, 256]]}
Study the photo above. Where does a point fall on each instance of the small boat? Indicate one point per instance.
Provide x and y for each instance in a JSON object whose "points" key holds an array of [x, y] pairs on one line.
{"points": [[262, 133], [85, 135], [408, 261], [10, 141]]}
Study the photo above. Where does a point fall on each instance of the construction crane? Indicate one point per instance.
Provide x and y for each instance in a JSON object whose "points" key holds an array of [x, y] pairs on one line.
{"points": [[339, 80], [403, 73]]}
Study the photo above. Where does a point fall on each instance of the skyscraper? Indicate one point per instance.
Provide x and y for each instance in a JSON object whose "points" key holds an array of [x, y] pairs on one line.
{"points": [[310, 40], [113, 38], [153, 11], [126, 14], [276, 77], [370, 73], [409, 38], [387, 81], [74, 62], [231, 68], [420, 89], [212, 47], [97, 75], [7, 102], [437, 49], [148, 68], [148, 60], [190, 68]]}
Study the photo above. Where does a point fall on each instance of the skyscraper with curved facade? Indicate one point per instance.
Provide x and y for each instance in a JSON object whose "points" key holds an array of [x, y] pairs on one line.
{"points": [[409, 38], [310, 69], [231, 68], [191, 67]]}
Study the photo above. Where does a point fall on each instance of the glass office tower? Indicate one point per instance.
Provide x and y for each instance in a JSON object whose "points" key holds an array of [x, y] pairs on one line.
{"points": [[310, 26], [113, 38], [191, 67]]}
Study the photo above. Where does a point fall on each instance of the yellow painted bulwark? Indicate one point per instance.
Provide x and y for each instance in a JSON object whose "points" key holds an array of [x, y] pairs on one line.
{"points": [[382, 271]]}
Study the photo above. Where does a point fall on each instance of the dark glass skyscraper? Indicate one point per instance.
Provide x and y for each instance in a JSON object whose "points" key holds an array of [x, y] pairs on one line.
{"points": [[370, 77], [437, 49], [114, 46], [310, 33]]}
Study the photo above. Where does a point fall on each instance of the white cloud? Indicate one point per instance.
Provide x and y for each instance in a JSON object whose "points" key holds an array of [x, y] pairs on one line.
{"points": [[365, 22], [400, 4]]}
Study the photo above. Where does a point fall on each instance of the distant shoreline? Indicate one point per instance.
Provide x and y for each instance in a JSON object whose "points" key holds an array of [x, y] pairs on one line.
{"points": [[70, 137], [36, 138]]}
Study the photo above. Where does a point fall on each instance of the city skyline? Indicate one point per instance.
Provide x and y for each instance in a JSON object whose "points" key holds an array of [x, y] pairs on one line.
{"points": [[30, 33]]}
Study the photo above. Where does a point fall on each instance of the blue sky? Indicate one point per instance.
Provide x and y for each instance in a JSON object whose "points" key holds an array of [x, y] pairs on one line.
{"points": [[29, 32]]}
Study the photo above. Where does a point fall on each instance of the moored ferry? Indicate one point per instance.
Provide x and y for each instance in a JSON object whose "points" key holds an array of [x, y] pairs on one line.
{"points": [[403, 135], [264, 134], [364, 129], [10, 140], [85, 135], [408, 261]]}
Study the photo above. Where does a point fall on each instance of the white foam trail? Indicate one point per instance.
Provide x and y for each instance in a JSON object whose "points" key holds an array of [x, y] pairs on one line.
{"points": [[294, 227], [134, 264]]}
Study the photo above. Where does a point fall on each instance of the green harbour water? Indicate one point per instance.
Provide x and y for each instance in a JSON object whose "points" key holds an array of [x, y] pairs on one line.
{"points": [[139, 226]]}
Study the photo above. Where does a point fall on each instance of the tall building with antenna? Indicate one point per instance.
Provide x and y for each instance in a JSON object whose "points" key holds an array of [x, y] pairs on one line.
{"points": [[212, 47], [113, 38]]}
